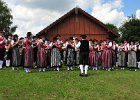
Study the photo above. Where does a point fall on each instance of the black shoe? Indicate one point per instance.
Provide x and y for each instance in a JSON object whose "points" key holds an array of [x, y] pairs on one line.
{"points": [[81, 75]]}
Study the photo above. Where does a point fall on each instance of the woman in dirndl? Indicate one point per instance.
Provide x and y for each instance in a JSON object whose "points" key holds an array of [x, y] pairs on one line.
{"points": [[55, 55], [132, 59], [64, 51], [100, 51], [77, 52], [114, 54], [35, 50], [70, 52], [108, 57], [15, 53], [8, 47], [121, 56], [104, 46], [126, 45], [41, 56], [48, 50], [28, 53], [21, 51], [2, 49], [93, 56]]}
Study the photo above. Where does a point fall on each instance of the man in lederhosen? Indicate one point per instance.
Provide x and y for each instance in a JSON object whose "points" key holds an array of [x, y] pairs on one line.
{"points": [[83, 45]]}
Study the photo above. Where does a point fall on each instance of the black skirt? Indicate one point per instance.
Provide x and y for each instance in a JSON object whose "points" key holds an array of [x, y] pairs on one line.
{"points": [[9, 54], [15, 57], [2, 53], [138, 55], [35, 50]]}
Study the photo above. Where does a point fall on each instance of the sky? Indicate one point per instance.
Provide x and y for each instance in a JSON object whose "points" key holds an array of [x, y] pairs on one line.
{"points": [[35, 15]]}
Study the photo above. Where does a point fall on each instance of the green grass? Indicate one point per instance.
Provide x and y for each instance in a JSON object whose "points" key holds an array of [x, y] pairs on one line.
{"points": [[64, 85]]}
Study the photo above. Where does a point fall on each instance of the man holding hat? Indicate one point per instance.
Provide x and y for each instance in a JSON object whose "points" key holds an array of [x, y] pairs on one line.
{"points": [[83, 45]]}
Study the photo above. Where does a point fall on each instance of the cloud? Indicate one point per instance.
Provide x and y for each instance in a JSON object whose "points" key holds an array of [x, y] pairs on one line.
{"points": [[57, 5], [33, 20], [52, 5], [35, 15], [138, 13], [109, 12]]}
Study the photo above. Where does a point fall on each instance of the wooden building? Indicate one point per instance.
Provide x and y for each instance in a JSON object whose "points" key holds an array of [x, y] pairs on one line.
{"points": [[75, 23]]}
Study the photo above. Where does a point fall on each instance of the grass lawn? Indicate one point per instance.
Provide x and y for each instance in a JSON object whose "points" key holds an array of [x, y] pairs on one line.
{"points": [[64, 85]]}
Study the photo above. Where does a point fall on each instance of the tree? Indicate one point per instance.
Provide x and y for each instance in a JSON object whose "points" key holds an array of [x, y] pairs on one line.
{"points": [[112, 27], [130, 29], [6, 19]]}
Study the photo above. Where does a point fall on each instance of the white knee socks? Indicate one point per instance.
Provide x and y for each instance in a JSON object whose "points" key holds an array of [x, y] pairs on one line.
{"points": [[58, 69], [7, 63], [138, 64], [81, 69], [1, 63], [86, 69]]}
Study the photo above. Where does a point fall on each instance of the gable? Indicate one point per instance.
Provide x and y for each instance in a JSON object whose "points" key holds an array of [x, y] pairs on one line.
{"points": [[86, 24]]}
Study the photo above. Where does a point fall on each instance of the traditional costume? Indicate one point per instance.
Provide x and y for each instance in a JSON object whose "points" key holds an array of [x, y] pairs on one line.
{"points": [[55, 56], [48, 50], [93, 56], [114, 54], [21, 51], [28, 55], [132, 59], [70, 56], [121, 56], [15, 55], [84, 55], [104, 55], [100, 51], [8, 48], [126, 45], [138, 55], [35, 51], [2, 50], [77, 53], [41, 56], [64, 51], [108, 57]]}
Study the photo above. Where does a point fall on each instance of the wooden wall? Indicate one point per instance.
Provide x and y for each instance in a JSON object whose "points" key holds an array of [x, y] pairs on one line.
{"points": [[75, 25]]}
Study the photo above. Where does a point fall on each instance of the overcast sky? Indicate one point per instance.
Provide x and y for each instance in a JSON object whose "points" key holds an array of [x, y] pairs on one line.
{"points": [[35, 15]]}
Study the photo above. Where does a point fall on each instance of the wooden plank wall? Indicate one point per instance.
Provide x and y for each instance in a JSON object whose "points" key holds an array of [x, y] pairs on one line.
{"points": [[75, 25]]}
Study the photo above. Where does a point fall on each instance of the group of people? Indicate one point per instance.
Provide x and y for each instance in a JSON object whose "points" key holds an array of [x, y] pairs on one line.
{"points": [[37, 52]]}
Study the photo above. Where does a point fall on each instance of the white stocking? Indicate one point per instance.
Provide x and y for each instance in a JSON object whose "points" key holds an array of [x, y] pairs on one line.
{"points": [[7, 63], [138, 64], [86, 69], [81, 69], [1, 63]]}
